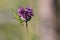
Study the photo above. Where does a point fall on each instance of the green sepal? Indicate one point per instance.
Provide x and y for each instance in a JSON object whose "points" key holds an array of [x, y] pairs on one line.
{"points": [[16, 16]]}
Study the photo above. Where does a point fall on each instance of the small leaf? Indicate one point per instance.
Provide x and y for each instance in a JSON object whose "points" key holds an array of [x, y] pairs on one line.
{"points": [[21, 21], [16, 16]]}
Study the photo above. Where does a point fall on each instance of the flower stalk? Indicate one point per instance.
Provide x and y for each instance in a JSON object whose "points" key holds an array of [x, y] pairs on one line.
{"points": [[26, 30], [25, 14]]}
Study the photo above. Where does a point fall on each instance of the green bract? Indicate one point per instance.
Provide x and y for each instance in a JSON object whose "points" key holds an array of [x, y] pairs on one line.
{"points": [[16, 16]]}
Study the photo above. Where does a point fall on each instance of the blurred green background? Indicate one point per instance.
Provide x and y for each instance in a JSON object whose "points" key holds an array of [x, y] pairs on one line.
{"points": [[10, 28]]}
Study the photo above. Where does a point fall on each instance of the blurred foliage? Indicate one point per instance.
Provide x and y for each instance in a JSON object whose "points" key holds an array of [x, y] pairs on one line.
{"points": [[14, 32], [10, 29], [11, 32]]}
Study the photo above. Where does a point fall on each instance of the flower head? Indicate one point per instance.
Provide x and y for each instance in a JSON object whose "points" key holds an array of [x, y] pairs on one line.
{"points": [[29, 11], [20, 11], [25, 14]]}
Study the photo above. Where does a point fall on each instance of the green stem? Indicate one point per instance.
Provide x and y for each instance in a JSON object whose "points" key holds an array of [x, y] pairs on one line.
{"points": [[26, 31]]}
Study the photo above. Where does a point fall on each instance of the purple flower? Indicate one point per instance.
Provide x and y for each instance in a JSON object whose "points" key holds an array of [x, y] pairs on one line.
{"points": [[29, 11], [25, 14], [20, 11]]}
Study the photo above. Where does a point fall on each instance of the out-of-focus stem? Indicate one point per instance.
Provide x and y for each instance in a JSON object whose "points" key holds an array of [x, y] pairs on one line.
{"points": [[26, 31]]}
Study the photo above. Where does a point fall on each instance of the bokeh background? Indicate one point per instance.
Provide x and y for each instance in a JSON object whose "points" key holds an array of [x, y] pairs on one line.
{"points": [[10, 28]]}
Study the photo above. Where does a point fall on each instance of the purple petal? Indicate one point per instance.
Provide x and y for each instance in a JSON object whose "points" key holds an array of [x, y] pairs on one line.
{"points": [[29, 11], [21, 9]]}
